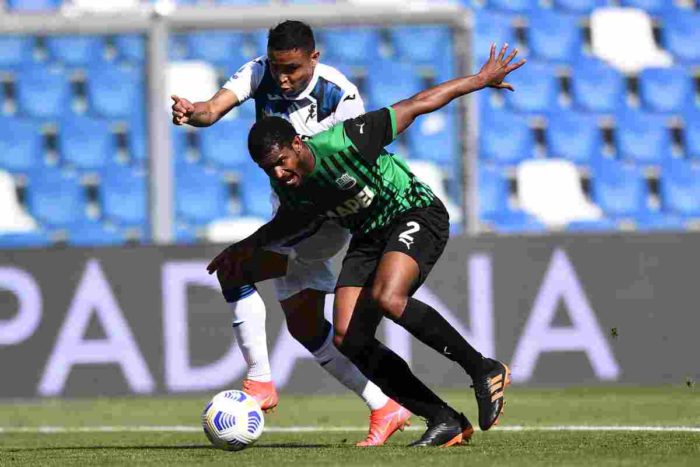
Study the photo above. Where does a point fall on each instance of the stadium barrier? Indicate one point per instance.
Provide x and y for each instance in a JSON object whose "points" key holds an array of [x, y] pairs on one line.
{"points": [[563, 310]]}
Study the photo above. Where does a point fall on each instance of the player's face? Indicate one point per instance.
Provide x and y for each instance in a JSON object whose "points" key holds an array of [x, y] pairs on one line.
{"points": [[286, 165], [292, 69]]}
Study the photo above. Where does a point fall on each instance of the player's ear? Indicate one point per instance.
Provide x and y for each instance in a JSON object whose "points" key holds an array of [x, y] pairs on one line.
{"points": [[315, 55], [297, 144]]}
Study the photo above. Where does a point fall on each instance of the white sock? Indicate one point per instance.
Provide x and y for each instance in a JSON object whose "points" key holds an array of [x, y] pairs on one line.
{"points": [[249, 330], [342, 369]]}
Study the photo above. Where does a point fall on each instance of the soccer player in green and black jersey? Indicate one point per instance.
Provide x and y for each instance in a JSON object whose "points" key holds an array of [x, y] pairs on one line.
{"points": [[400, 229]]}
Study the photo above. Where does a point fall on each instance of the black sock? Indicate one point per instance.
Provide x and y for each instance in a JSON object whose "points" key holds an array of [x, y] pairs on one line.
{"points": [[393, 376], [428, 326]]}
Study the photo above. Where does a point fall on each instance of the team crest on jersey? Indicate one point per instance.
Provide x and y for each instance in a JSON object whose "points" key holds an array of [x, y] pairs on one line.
{"points": [[345, 182]]}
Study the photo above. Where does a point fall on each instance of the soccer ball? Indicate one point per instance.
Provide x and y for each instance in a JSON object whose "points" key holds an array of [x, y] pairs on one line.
{"points": [[232, 420]]}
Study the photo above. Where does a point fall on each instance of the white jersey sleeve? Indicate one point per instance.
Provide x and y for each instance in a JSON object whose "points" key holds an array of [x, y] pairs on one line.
{"points": [[246, 80]]}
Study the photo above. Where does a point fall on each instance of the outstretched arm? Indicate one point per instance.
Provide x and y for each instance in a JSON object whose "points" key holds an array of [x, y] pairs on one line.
{"points": [[203, 113], [491, 75]]}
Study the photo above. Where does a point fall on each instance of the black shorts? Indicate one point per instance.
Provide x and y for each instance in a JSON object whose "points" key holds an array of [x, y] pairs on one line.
{"points": [[421, 233]]}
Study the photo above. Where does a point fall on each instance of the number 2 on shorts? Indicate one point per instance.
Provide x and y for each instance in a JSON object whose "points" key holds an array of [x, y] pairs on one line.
{"points": [[405, 237]]}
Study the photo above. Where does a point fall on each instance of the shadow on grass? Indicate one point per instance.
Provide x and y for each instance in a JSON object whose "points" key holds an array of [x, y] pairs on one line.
{"points": [[171, 447]]}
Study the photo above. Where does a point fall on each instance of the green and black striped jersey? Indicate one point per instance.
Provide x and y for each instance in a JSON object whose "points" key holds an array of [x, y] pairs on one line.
{"points": [[355, 180]]}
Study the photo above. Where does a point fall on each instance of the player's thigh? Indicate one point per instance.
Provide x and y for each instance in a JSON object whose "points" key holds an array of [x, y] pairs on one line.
{"points": [[304, 313], [262, 266]]}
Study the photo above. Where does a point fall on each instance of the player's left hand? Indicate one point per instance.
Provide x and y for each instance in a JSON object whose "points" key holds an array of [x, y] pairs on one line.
{"points": [[496, 69], [228, 263]]}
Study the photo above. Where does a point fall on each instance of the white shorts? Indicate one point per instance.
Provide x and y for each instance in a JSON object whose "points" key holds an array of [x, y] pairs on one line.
{"points": [[309, 265]]}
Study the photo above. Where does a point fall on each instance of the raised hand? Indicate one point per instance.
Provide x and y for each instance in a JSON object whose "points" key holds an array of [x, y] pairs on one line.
{"points": [[182, 110], [496, 69]]}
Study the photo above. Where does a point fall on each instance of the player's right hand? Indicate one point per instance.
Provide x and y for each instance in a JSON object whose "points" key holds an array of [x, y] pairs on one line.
{"points": [[182, 110], [497, 68]]}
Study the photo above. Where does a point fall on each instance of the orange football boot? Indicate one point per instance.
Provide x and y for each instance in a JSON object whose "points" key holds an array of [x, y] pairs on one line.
{"points": [[384, 422], [263, 392]]}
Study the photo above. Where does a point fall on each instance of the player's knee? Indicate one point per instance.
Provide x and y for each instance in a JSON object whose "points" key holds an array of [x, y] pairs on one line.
{"points": [[388, 301]]}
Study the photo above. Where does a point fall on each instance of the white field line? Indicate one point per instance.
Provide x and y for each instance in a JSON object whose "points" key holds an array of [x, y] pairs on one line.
{"points": [[311, 429]]}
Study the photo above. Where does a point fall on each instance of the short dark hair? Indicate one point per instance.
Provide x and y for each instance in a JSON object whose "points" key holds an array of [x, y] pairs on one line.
{"points": [[290, 35], [268, 134]]}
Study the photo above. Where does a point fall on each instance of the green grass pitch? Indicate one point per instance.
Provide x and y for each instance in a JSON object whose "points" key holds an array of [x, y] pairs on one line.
{"points": [[524, 437]]}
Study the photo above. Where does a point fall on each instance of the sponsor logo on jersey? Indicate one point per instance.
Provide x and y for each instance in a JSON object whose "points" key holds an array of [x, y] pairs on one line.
{"points": [[353, 205], [345, 182]]}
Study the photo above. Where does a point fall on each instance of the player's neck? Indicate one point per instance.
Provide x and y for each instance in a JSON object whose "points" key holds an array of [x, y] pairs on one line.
{"points": [[308, 159]]}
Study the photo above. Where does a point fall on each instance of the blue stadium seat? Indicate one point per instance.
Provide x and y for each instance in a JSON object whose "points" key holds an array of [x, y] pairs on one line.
{"points": [[574, 136], [505, 138], [493, 191], [643, 137], [76, 50], [254, 191], [598, 225], [31, 239], [32, 5], [555, 36], [115, 91], [21, 144], [619, 189], [518, 6], [95, 234], [659, 221], [43, 92], [665, 89], [86, 142], [130, 47], [491, 28], [15, 50], [580, 6], [123, 195], [177, 47], [680, 187], [226, 143], [650, 6], [515, 222], [421, 44], [215, 46], [56, 197], [597, 87], [354, 45], [681, 34], [691, 135], [258, 39], [536, 88], [434, 137], [200, 194], [390, 82]]}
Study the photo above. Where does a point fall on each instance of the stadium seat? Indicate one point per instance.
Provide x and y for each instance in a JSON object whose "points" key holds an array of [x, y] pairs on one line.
{"points": [[517, 6], [642, 137], [680, 187], [598, 225], [43, 92], [681, 34], [619, 188], [130, 47], [624, 38], [435, 176], [86, 142], [226, 143], [536, 87], [658, 221], [505, 138], [493, 191], [597, 87], [258, 40], [76, 50], [21, 144], [95, 234], [514, 222], [123, 195], [390, 82], [13, 217], [574, 136], [115, 91], [254, 191], [421, 44], [434, 138], [56, 197], [665, 89], [554, 36], [15, 50], [359, 46], [201, 194], [32, 5], [215, 46], [580, 6], [491, 28], [651, 6], [31, 239], [691, 135]]}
